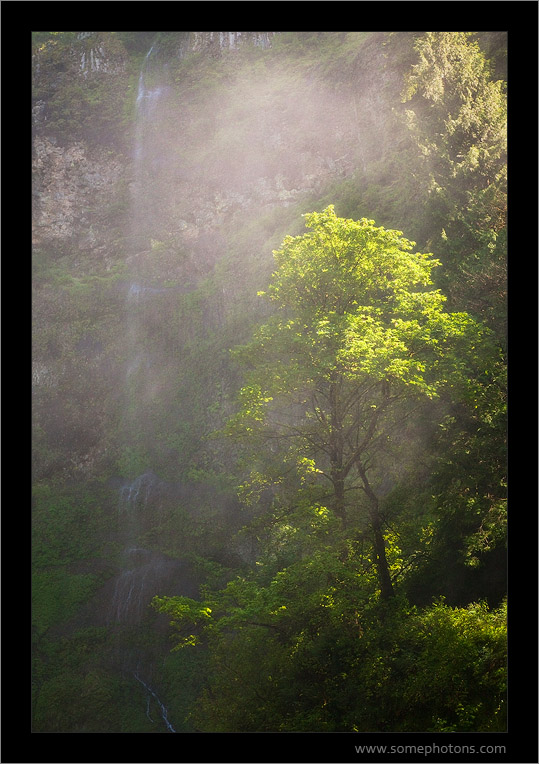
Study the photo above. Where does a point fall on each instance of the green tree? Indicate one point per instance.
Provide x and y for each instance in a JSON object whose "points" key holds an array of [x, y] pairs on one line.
{"points": [[303, 653], [457, 115], [358, 343], [358, 353]]}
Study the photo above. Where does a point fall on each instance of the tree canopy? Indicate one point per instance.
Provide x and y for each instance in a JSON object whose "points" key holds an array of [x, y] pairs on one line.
{"points": [[311, 444], [359, 361], [358, 342]]}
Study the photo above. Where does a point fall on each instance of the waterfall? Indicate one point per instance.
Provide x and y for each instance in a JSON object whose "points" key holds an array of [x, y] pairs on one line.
{"points": [[134, 497], [145, 96], [139, 497], [145, 105], [162, 707], [142, 572], [145, 501], [146, 147], [140, 384]]}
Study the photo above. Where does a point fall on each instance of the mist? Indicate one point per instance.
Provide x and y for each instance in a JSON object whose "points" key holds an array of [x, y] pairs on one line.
{"points": [[167, 168]]}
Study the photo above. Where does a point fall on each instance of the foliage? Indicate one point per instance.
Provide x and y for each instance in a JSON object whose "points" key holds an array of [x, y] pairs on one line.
{"points": [[356, 340], [78, 106], [57, 595], [455, 660], [371, 417], [81, 690], [67, 525], [467, 107], [355, 321], [458, 117], [309, 651]]}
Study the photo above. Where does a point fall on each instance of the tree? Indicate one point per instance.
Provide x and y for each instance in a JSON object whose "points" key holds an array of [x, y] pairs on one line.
{"points": [[457, 115], [357, 346], [316, 635]]}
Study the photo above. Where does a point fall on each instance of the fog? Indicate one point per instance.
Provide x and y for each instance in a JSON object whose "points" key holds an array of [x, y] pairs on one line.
{"points": [[167, 167]]}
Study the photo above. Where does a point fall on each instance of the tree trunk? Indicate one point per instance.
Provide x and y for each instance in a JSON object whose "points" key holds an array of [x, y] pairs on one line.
{"points": [[336, 448], [386, 587], [384, 578], [338, 492]]}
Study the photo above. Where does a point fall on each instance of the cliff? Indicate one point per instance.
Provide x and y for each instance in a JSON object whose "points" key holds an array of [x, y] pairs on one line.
{"points": [[166, 169], [165, 157]]}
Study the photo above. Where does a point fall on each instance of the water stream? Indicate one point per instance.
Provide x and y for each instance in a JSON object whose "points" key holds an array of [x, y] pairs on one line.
{"points": [[147, 151], [162, 708], [143, 572]]}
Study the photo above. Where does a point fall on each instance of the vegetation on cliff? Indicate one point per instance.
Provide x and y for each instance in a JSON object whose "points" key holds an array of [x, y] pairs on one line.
{"points": [[327, 457]]}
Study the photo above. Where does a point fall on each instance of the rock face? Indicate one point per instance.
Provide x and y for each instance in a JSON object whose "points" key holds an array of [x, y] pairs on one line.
{"points": [[70, 186], [78, 85], [198, 41], [98, 57], [85, 54], [162, 165], [254, 143]]}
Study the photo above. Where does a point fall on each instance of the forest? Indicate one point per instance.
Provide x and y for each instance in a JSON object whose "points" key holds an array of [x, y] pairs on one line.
{"points": [[269, 382]]}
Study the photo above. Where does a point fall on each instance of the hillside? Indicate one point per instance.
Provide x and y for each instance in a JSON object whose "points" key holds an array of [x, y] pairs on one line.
{"points": [[166, 170]]}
